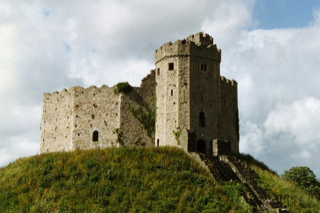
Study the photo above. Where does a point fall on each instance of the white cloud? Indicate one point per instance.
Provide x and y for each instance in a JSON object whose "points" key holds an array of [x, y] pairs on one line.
{"points": [[300, 119], [302, 155], [251, 142]]}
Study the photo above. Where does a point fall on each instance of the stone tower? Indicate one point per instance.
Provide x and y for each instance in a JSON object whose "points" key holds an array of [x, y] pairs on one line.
{"points": [[192, 95]]}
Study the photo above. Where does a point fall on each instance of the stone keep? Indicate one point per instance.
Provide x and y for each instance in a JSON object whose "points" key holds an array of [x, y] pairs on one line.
{"points": [[192, 95], [196, 108]]}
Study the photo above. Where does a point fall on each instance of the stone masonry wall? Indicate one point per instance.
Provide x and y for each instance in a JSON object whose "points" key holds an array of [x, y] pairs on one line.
{"points": [[133, 132], [56, 123], [71, 117], [147, 90], [204, 87], [229, 122], [95, 109]]}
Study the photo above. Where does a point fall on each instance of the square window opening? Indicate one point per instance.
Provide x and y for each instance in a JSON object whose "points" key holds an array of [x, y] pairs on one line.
{"points": [[171, 66], [203, 67]]}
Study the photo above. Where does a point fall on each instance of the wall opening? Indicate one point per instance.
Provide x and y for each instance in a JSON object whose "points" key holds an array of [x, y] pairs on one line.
{"points": [[158, 71], [203, 67], [172, 92], [201, 146], [158, 142], [95, 136], [171, 66], [201, 119]]}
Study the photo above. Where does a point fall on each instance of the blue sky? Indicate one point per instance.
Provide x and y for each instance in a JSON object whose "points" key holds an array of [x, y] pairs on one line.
{"points": [[270, 47], [273, 14]]}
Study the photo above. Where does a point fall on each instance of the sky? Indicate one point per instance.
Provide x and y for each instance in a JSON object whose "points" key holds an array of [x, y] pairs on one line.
{"points": [[270, 47]]}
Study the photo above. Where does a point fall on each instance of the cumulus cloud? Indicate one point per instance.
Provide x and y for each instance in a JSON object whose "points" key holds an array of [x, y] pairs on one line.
{"points": [[277, 73], [251, 142], [301, 119]]}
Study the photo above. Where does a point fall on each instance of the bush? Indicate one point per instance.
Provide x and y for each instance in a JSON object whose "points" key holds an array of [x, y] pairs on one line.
{"points": [[124, 87]]}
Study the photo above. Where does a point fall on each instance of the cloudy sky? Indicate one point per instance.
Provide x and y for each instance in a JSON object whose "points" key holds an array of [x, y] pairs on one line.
{"points": [[271, 47]]}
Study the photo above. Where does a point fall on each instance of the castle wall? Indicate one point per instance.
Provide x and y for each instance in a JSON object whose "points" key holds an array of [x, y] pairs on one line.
{"points": [[56, 122], [167, 102], [147, 90], [160, 103], [133, 132], [229, 120], [95, 109], [204, 98]]}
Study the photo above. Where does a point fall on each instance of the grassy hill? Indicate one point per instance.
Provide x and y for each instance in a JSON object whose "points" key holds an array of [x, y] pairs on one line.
{"points": [[127, 179]]}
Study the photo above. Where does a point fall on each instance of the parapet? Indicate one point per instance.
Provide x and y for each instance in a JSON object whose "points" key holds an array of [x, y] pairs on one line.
{"points": [[229, 82], [72, 90], [198, 44], [201, 38]]}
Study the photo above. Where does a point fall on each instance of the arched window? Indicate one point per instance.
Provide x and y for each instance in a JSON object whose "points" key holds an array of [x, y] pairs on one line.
{"points": [[201, 119], [95, 136]]}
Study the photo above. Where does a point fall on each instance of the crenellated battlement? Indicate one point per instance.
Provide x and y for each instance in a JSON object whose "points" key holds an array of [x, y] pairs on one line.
{"points": [[201, 39], [230, 82], [197, 45], [73, 90]]}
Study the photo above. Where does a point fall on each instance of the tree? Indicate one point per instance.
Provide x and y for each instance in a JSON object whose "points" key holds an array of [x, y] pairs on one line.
{"points": [[305, 178]]}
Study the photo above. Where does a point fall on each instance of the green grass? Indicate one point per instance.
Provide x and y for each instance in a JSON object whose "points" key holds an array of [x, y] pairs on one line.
{"points": [[140, 179], [296, 199]]}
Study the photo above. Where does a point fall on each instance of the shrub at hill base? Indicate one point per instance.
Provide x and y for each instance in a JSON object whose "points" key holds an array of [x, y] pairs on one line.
{"points": [[112, 180]]}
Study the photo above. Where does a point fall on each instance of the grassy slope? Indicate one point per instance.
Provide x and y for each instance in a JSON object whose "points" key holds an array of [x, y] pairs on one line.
{"points": [[161, 179], [113, 180], [295, 198]]}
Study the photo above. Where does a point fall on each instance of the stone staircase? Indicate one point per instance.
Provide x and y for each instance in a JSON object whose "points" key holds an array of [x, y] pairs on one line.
{"points": [[229, 168]]}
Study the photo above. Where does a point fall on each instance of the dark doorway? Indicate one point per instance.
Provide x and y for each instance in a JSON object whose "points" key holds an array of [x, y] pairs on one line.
{"points": [[201, 146], [95, 136], [201, 119]]}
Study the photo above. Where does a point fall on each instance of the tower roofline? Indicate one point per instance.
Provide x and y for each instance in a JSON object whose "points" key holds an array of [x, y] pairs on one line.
{"points": [[199, 45]]}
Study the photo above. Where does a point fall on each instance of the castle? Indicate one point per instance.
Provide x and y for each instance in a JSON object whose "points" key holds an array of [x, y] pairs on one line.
{"points": [[184, 102]]}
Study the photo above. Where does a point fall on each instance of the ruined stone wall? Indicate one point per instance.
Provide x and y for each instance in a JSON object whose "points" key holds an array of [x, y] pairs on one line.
{"points": [[229, 122], [95, 109], [147, 90], [56, 122], [132, 130], [70, 118]]}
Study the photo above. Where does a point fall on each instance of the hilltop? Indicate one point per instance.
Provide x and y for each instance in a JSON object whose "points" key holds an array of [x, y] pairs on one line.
{"points": [[129, 179]]}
